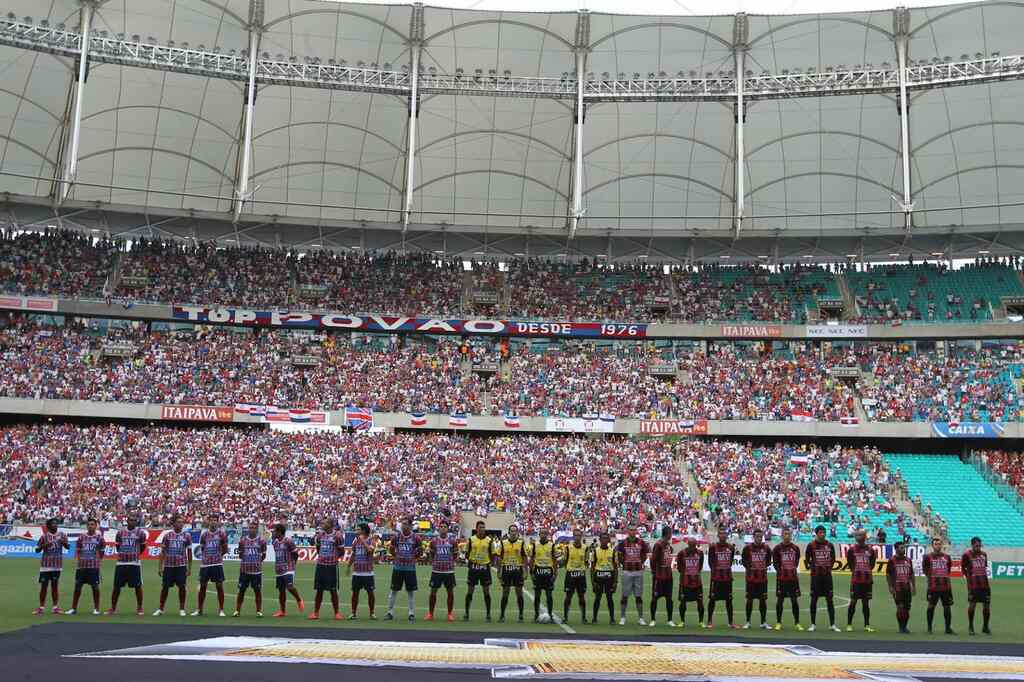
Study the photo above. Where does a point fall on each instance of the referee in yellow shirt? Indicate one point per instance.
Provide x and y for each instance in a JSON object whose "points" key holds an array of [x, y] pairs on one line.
{"points": [[575, 562], [480, 554]]}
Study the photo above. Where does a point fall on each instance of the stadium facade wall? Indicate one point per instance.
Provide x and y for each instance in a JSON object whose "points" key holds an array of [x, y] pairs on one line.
{"points": [[441, 422], [549, 329]]}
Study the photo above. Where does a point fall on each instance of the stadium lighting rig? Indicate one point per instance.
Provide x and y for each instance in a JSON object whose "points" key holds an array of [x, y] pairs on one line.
{"points": [[653, 87]]}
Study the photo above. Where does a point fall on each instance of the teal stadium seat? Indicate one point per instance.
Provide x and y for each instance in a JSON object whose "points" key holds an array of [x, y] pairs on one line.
{"points": [[956, 491]]}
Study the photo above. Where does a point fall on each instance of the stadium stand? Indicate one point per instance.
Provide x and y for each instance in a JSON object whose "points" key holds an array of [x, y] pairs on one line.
{"points": [[1009, 466], [170, 272], [746, 486], [223, 367], [54, 263], [71, 471], [746, 294], [931, 292], [957, 494], [968, 387]]}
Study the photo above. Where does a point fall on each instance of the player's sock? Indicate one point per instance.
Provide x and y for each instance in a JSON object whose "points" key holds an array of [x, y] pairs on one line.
{"points": [[852, 609], [930, 616], [668, 608], [371, 602], [831, 612], [947, 615], [750, 609], [551, 602], [711, 611], [433, 602], [451, 602], [986, 614], [796, 611], [411, 599], [354, 602], [201, 599], [654, 609], [970, 618], [565, 608], [391, 601], [504, 603], [682, 611], [778, 611], [728, 610], [764, 611], [487, 603], [867, 613], [519, 603], [700, 611], [597, 606], [814, 610], [469, 602]]}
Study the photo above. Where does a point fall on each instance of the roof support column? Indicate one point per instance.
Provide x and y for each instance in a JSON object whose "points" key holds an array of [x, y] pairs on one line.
{"points": [[71, 168], [740, 34], [416, 33], [901, 30], [579, 116], [242, 191]]}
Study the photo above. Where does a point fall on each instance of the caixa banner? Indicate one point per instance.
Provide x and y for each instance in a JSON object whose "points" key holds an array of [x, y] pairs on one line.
{"points": [[967, 429], [423, 325]]}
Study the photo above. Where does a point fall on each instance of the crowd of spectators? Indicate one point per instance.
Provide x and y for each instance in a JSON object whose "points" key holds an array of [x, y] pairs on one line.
{"points": [[1008, 466], [389, 283], [221, 366], [54, 263], [925, 387], [745, 486], [225, 366], [556, 482], [586, 290], [748, 293], [171, 272]]}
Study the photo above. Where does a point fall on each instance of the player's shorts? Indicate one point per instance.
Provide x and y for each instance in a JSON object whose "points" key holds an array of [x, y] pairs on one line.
{"points": [[283, 582], [662, 588], [363, 582], [325, 579], [211, 574], [575, 582], [861, 590], [721, 590], [945, 596], [903, 598], [403, 580], [543, 578], [632, 584], [175, 575], [49, 576], [129, 575], [253, 580], [979, 595], [691, 593], [821, 586], [757, 590], [439, 580], [604, 582], [479, 575], [87, 576], [787, 589], [511, 576]]}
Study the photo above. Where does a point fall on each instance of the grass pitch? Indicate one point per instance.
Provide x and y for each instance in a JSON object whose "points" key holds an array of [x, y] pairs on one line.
{"points": [[18, 582]]}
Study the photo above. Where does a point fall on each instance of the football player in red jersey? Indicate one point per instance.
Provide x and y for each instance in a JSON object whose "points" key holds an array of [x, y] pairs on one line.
{"points": [[662, 559], [861, 559], [937, 567], [974, 563], [820, 556], [899, 573], [786, 559], [756, 558], [720, 557], [690, 563]]}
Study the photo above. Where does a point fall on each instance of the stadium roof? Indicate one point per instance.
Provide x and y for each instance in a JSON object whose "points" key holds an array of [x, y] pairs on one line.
{"points": [[494, 153]]}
